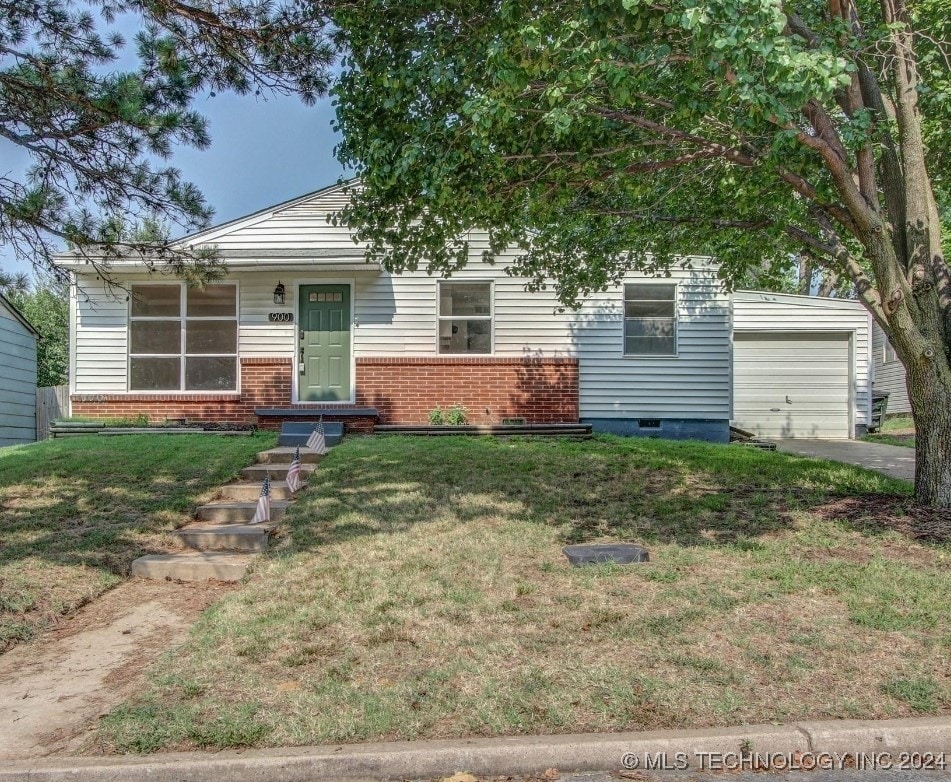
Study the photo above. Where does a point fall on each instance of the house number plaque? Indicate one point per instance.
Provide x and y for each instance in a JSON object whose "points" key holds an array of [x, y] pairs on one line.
{"points": [[281, 317]]}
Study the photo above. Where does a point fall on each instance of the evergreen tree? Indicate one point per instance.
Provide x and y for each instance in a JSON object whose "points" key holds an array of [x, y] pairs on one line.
{"points": [[92, 132]]}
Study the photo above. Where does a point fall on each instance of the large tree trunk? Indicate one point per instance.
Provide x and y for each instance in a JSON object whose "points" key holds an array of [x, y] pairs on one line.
{"points": [[929, 390], [912, 315]]}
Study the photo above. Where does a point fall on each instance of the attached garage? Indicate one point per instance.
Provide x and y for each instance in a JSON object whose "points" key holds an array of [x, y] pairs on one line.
{"points": [[792, 384], [800, 366]]}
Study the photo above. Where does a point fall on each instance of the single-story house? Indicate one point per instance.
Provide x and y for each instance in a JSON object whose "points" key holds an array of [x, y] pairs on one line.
{"points": [[17, 376], [302, 324], [889, 373]]}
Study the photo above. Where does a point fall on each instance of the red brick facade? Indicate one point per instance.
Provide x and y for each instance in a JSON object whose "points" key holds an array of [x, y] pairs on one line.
{"points": [[403, 390], [265, 382]]}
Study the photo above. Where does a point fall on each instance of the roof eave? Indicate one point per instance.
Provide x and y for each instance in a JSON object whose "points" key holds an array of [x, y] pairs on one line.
{"points": [[18, 315]]}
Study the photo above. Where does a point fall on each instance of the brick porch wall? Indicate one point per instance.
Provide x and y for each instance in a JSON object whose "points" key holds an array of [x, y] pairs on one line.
{"points": [[404, 390], [264, 382]]}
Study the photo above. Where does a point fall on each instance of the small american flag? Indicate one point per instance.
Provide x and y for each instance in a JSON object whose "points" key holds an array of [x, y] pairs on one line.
{"points": [[263, 512], [293, 473], [317, 441]]}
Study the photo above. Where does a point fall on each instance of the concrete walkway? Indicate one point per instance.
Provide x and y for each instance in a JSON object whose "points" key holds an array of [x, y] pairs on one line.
{"points": [[893, 460]]}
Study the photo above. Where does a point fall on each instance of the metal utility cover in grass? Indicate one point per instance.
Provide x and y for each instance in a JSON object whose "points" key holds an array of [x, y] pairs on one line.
{"points": [[604, 553]]}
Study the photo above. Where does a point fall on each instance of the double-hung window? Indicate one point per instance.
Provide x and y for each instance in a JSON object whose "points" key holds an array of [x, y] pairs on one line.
{"points": [[650, 319], [182, 338], [465, 317], [889, 352]]}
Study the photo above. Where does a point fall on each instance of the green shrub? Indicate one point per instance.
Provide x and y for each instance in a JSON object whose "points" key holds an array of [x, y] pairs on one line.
{"points": [[457, 415]]}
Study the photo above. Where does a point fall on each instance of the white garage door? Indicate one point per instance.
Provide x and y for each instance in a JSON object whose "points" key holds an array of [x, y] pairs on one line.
{"points": [[791, 385]]}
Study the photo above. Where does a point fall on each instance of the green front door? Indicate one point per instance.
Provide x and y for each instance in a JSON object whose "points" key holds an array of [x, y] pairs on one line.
{"points": [[324, 343]]}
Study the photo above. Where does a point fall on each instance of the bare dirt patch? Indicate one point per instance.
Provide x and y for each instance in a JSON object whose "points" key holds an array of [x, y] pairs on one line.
{"points": [[54, 689]]}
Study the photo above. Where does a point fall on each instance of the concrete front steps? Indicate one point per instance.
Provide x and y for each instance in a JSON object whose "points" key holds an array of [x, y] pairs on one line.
{"points": [[246, 491], [192, 566], [246, 538], [296, 432], [222, 539], [226, 512], [283, 454], [278, 472]]}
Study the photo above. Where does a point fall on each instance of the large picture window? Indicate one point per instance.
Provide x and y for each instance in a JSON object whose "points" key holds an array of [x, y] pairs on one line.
{"points": [[465, 317], [650, 319], [183, 339]]}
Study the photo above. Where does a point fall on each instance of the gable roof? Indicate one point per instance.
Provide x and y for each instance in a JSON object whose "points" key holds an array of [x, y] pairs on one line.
{"points": [[325, 201], [209, 234], [17, 315]]}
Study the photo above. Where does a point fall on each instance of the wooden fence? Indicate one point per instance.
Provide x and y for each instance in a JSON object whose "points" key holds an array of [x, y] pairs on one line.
{"points": [[51, 403]]}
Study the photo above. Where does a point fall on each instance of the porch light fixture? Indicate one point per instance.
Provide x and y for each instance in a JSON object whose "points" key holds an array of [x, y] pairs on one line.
{"points": [[279, 293]]}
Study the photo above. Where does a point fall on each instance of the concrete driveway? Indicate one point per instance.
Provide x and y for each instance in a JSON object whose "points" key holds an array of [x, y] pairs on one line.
{"points": [[893, 460]]}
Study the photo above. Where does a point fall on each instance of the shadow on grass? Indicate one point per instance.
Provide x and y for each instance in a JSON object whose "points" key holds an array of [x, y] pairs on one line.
{"points": [[689, 493]]}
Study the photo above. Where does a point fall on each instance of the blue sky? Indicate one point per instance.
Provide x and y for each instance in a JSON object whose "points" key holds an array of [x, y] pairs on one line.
{"points": [[263, 151]]}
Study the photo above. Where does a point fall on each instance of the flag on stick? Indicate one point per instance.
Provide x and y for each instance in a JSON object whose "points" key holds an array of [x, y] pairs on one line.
{"points": [[293, 473], [317, 441], [263, 512]]}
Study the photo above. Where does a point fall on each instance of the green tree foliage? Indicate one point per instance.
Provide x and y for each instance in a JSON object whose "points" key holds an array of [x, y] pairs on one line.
{"points": [[608, 135], [96, 133], [46, 305]]}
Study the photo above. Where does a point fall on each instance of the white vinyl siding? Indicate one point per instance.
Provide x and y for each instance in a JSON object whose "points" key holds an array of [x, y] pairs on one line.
{"points": [[778, 314], [694, 384], [101, 331], [17, 380], [889, 375], [396, 315], [298, 224]]}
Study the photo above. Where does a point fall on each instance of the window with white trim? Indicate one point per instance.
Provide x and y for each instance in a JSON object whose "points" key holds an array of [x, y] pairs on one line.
{"points": [[890, 354], [650, 319], [465, 317], [182, 338]]}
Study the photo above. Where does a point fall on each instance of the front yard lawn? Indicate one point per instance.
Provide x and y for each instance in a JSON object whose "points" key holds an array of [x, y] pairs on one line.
{"points": [[419, 591], [895, 431], [74, 513]]}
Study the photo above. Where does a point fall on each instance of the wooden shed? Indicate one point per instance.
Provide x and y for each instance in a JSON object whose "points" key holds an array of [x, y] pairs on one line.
{"points": [[17, 376]]}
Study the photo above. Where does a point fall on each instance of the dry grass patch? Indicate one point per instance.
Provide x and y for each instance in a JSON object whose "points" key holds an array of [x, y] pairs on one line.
{"points": [[420, 592], [75, 513]]}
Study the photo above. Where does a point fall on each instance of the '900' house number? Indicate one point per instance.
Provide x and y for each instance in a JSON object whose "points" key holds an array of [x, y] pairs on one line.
{"points": [[281, 317]]}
